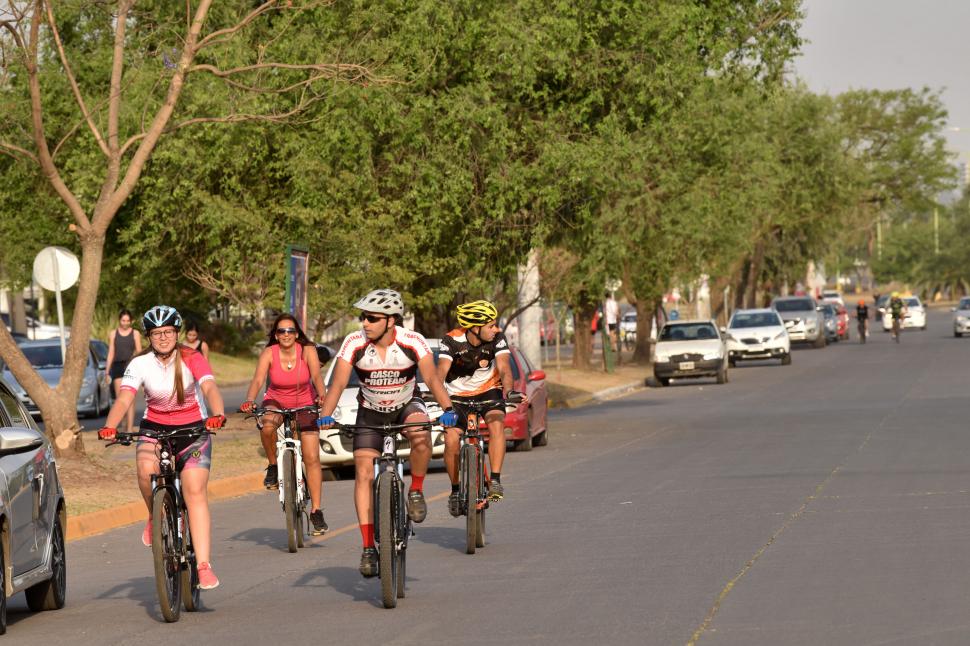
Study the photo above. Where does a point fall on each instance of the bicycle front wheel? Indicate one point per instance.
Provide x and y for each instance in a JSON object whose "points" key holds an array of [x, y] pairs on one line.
{"points": [[290, 510], [386, 508], [166, 552], [191, 594], [471, 483]]}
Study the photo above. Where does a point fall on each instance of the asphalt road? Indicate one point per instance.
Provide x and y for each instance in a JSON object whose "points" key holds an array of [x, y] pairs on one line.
{"points": [[819, 503]]}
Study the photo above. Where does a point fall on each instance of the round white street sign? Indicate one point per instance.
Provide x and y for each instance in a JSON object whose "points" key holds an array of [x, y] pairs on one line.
{"points": [[56, 268]]}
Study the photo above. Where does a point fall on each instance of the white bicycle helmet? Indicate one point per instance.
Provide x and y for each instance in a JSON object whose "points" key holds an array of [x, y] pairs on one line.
{"points": [[382, 301], [161, 316]]}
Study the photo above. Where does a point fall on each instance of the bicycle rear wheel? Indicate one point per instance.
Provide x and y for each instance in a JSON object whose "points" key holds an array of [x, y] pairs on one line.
{"points": [[470, 479], [385, 536], [166, 552], [191, 594], [289, 500]]}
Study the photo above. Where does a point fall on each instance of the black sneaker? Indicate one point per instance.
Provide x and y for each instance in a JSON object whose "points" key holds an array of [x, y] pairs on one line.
{"points": [[417, 507], [454, 504], [319, 524], [368, 562], [272, 479], [495, 490]]}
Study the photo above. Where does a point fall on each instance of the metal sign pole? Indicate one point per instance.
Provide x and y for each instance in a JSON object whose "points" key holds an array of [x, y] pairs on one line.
{"points": [[60, 307]]}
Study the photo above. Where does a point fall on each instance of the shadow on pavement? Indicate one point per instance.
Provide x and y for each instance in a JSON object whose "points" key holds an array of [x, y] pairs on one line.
{"points": [[264, 536], [344, 580], [140, 589], [451, 538]]}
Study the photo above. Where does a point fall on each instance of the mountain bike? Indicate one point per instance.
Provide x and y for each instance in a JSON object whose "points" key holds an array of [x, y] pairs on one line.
{"points": [[897, 324], [473, 472], [291, 471], [863, 328], [392, 526], [176, 570]]}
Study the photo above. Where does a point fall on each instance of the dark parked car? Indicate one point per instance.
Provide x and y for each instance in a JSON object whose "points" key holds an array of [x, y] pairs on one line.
{"points": [[32, 513]]}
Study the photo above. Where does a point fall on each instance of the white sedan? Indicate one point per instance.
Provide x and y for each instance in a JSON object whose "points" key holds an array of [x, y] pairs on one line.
{"points": [[690, 349], [961, 317], [915, 316], [338, 450], [757, 334]]}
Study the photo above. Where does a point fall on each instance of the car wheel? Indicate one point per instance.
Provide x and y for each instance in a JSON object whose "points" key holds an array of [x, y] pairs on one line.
{"points": [[542, 439], [722, 376], [957, 334], [819, 341], [786, 359], [733, 363], [51, 594], [663, 381]]}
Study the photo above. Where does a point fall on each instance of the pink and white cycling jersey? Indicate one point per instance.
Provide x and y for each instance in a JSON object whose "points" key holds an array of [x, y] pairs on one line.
{"points": [[158, 380], [385, 385]]}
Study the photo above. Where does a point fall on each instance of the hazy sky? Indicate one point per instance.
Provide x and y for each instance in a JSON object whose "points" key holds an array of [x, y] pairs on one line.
{"points": [[888, 44]]}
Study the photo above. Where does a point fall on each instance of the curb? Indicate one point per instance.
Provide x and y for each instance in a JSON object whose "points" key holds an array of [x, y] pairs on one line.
{"points": [[98, 522], [603, 395]]}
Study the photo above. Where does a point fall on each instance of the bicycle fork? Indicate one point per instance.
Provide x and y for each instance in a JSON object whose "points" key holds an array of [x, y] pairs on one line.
{"points": [[288, 444]]}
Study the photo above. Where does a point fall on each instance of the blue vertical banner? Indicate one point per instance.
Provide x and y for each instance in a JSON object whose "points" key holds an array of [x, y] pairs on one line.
{"points": [[296, 282]]}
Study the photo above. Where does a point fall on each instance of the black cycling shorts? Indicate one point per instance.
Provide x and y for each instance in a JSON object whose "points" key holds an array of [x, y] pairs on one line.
{"points": [[488, 395], [364, 439]]}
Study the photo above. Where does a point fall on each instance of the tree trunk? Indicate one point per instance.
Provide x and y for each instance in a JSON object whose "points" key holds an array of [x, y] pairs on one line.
{"points": [[754, 275], [583, 339], [645, 312], [18, 311], [432, 323]]}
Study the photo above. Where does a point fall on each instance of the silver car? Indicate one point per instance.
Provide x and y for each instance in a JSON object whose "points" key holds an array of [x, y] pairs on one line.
{"points": [[32, 513], [802, 317], [45, 357], [961, 317]]}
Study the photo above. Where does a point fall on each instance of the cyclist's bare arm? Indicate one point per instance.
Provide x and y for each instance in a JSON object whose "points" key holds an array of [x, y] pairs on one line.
{"points": [[502, 362], [313, 363], [213, 397], [119, 408], [341, 375], [444, 364], [435, 384], [262, 369]]}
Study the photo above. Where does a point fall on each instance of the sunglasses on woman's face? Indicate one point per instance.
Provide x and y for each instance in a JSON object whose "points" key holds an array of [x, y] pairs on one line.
{"points": [[371, 318], [285, 330]]}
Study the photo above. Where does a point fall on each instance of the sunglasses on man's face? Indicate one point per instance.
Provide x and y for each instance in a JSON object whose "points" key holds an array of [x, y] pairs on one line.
{"points": [[285, 330], [371, 318]]}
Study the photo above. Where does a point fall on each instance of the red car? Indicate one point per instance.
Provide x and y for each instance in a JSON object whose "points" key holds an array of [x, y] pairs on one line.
{"points": [[526, 426], [842, 322]]}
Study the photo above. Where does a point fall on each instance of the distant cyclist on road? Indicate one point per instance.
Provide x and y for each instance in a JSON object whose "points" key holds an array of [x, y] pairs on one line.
{"points": [[474, 364], [290, 361], [386, 358], [168, 373], [862, 316], [897, 309]]}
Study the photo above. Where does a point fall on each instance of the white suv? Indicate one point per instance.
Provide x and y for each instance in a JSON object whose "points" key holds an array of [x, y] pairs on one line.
{"points": [[915, 316]]}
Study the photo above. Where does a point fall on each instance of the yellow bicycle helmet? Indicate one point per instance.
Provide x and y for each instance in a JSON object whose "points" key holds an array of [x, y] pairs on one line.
{"points": [[476, 313]]}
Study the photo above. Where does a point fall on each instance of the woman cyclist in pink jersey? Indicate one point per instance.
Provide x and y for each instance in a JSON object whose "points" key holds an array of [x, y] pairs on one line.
{"points": [[169, 372], [290, 361]]}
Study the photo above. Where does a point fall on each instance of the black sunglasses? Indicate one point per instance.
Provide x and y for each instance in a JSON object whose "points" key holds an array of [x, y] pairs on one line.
{"points": [[371, 318], [286, 330]]}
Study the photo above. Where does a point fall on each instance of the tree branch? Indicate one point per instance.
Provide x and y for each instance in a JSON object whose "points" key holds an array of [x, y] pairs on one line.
{"points": [[222, 35], [74, 86], [37, 121], [13, 151], [326, 70]]}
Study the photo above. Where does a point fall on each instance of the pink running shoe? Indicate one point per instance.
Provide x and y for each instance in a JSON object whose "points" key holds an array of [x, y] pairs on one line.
{"points": [[207, 578], [146, 536]]}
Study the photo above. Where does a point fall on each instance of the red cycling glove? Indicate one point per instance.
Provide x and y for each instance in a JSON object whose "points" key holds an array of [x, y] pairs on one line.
{"points": [[214, 422], [107, 433]]}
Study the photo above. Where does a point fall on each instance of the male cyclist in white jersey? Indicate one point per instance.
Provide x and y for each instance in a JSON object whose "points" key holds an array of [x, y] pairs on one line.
{"points": [[386, 358], [474, 364]]}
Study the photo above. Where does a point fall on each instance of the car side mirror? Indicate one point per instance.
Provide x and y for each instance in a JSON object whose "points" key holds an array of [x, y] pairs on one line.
{"points": [[818, 309], [324, 353], [536, 375], [14, 439], [723, 329], [102, 365]]}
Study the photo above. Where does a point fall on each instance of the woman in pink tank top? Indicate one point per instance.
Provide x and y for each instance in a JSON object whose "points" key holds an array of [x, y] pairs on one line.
{"points": [[291, 364]]}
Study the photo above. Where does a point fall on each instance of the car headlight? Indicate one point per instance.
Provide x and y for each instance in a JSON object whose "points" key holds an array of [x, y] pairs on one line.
{"points": [[710, 356], [661, 358], [961, 319], [780, 335], [731, 337]]}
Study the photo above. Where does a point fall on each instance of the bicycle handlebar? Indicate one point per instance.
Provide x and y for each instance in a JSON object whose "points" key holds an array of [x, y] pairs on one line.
{"points": [[383, 429], [481, 406], [259, 411], [171, 434]]}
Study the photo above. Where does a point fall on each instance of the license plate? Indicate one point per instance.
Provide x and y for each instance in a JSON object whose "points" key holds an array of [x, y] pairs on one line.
{"points": [[686, 365]]}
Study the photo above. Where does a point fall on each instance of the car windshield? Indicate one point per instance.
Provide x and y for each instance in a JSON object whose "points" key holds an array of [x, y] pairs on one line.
{"points": [[912, 301], [44, 356], [755, 319], [688, 332], [964, 304], [794, 305], [881, 302], [828, 309], [629, 316]]}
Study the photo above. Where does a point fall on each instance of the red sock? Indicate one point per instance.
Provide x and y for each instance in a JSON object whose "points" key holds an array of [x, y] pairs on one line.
{"points": [[367, 533], [417, 483]]}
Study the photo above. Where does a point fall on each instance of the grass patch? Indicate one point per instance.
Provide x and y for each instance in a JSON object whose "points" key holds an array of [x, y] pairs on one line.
{"points": [[228, 369]]}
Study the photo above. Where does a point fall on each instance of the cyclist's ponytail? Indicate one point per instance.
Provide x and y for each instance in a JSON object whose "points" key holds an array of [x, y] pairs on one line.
{"points": [[179, 390]]}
